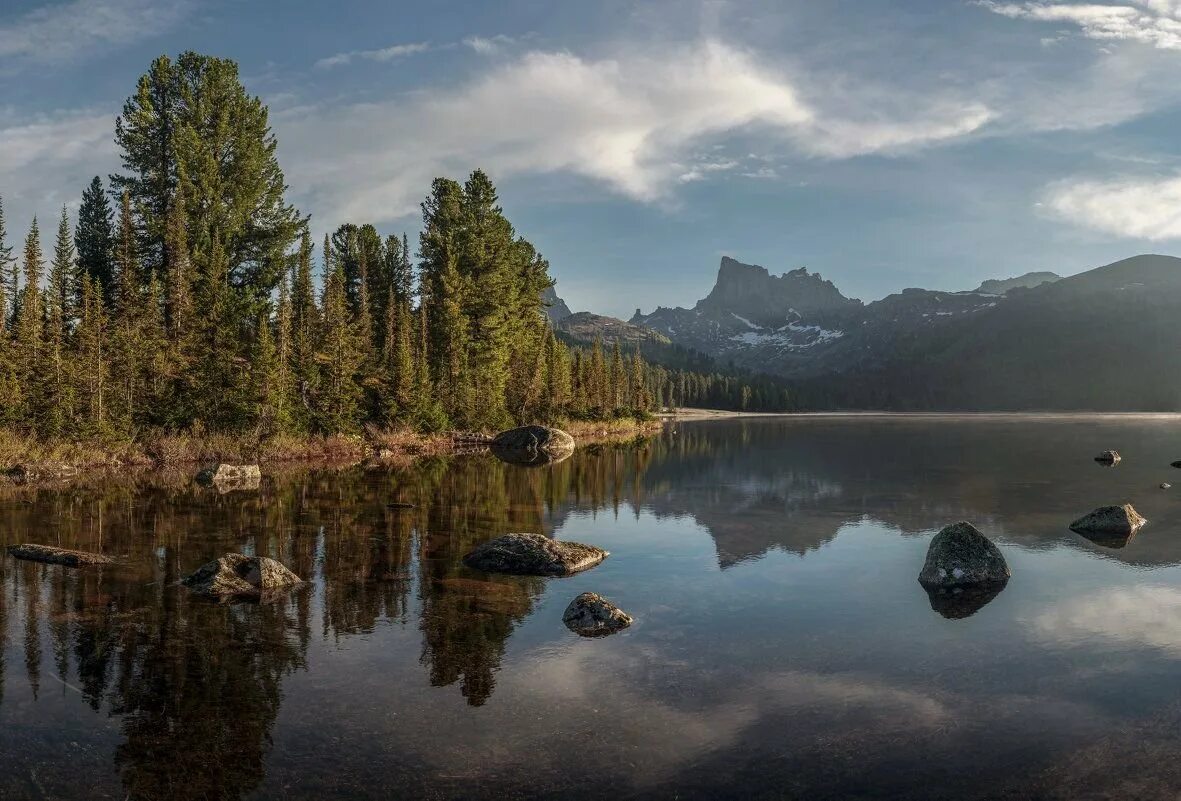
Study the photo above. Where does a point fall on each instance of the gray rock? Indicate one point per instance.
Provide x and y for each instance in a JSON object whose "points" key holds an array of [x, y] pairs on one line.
{"points": [[960, 556], [245, 474], [1175, 464], [1165, 485], [533, 555], [592, 615], [57, 556], [1109, 521], [532, 445], [236, 575], [1108, 458]]}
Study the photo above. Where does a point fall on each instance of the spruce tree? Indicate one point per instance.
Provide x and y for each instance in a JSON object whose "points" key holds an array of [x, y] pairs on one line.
{"points": [[9, 274], [29, 321], [62, 290], [305, 326], [92, 367], [340, 396], [284, 375], [94, 238]]}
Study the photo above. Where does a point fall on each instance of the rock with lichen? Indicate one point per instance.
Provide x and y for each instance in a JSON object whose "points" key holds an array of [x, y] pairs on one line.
{"points": [[533, 555], [961, 556]]}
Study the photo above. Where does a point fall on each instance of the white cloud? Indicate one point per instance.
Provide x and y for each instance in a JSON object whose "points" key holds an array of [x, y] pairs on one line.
{"points": [[627, 123], [68, 31], [1155, 22], [47, 161], [384, 54], [1142, 208], [1140, 616], [488, 45]]}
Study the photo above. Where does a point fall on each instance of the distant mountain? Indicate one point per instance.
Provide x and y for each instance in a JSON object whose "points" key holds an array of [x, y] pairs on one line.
{"points": [[587, 327], [1001, 286], [1106, 339], [556, 308]]}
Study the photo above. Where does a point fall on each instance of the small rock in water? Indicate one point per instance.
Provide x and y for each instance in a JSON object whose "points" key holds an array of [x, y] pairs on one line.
{"points": [[1165, 485], [1175, 464], [1108, 458], [532, 445], [230, 474], [399, 505], [592, 615], [961, 556], [57, 556], [533, 555], [236, 575], [1121, 521]]}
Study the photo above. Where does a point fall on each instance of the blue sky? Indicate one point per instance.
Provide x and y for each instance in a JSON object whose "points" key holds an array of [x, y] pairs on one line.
{"points": [[882, 144]]}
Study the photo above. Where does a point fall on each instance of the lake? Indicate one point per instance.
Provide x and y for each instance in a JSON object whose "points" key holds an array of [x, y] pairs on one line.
{"points": [[782, 646]]}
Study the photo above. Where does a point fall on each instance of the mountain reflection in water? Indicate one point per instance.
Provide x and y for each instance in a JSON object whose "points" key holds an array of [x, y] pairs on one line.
{"points": [[782, 645]]}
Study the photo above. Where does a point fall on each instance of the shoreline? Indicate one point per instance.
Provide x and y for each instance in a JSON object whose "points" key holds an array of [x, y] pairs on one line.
{"points": [[692, 415], [24, 461]]}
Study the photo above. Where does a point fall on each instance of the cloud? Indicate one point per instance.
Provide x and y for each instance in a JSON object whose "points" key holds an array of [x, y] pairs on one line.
{"points": [[1138, 616], [626, 123], [1141, 208], [384, 54], [1155, 22], [489, 45], [69, 31], [47, 161]]}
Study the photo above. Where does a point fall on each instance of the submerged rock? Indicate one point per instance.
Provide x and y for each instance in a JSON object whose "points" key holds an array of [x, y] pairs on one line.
{"points": [[236, 575], [1165, 485], [592, 615], [1110, 526], [961, 556], [241, 474], [399, 505], [57, 556], [1108, 458], [532, 445], [533, 555], [1175, 464], [956, 603]]}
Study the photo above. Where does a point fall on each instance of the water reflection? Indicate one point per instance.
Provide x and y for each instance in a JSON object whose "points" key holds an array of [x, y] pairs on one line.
{"points": [[194, 692]]}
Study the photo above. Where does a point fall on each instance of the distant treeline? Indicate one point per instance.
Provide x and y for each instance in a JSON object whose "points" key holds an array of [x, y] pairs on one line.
{"points": [[184, 299]]}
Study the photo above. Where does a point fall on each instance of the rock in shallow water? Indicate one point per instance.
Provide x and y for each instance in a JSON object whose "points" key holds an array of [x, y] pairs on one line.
{"points": [[592, 615], [57, 556], [533, 555], [532, 445], [1108, 458], [1117, 521], [960, 556], [230, 474], [236, 575]]}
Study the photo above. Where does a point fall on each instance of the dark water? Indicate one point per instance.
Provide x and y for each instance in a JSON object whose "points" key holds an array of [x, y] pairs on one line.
{"points": [[782, 648]]}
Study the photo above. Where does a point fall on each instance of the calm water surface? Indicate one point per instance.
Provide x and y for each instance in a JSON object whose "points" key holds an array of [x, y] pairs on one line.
{"points": [[782, 648]]}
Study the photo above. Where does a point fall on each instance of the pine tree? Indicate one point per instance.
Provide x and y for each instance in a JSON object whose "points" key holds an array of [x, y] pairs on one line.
{"points": [[62, 289], [339, 399], [54, 401], [9, 274], [266, 381], [94, 239], [9, 381], [284, 376], [444, 293], [92, 367], [30, 316], [304, 324]]}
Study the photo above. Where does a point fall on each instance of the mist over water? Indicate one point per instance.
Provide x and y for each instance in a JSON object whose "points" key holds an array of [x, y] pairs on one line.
{"points": [[782, 645]]}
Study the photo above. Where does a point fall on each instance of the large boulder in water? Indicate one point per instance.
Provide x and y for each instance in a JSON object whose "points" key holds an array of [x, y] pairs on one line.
{"points": [[533, 555], [1111, 526], [960, 556], [231, 475], [592, 615], [532, 445], [1109, 458], [236, 575]]}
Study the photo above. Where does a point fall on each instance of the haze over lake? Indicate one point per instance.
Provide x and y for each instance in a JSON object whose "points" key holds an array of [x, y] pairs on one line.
{"points": [[782, 645]]}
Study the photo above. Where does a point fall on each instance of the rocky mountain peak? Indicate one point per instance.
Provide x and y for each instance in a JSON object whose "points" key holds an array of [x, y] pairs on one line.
{"points": [[752, 292]]}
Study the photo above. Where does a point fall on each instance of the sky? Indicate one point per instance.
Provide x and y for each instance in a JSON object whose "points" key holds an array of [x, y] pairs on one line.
{"points": [[885, 145]]}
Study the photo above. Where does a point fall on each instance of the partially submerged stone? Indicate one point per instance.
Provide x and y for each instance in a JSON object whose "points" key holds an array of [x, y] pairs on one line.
{"points": [[1110, 526], [1108, 458], [592, 615], [533, 555], [231, 474], [1165, 485], [960, 556], [532, 445], [399, 505], [57, 556], [236, 575], [47, 471]]}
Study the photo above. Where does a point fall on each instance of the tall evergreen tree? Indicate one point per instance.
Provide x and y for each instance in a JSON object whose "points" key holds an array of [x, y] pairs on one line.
{"points": [[305, 327], [29, 322], [62, 290], [94, 238], [9, 274], [340, 396]]}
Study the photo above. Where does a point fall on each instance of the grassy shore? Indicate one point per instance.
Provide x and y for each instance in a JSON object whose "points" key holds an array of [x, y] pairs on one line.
{"points": [[168, 450]]}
